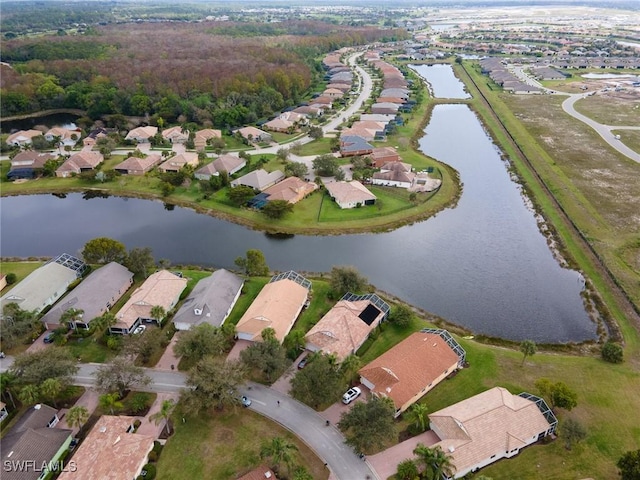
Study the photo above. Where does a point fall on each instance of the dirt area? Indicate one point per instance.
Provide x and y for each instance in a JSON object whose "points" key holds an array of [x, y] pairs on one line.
{"points": [[611, 107]]}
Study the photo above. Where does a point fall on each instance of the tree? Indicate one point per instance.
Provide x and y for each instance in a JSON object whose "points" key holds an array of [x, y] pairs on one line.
{"points": [[401, 315], [254, 265], [77, 416], [214, 383], [280, 451], [349, 367], [200, 341], [347, 279], [104, 250], [282, 154], [277, 209], [50, 389], [119, 375], [8, 383], [418, 414], [240, 195], [111, 402], [166, 409], [528, 348], [268, 358], [101, 323], [29, 394], [559, 394], [407, 470], [35, 367], [17, 324], [325, 165], [369, 424], [11, 278], [572, 431], [158, 313], [296, 169], [140, 261], [434, 461], [316, 132], [301, 473], [612, 352], [70, 317], [629, 465], [294, 343], [143, 346], [320, 383]]}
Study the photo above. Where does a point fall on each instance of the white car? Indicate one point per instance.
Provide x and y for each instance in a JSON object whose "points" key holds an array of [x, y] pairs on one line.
{"points": [[351, 395], [139, 329]]}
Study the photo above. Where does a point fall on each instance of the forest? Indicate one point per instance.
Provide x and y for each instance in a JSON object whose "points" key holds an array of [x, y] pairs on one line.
{"points": [[221, 74]]}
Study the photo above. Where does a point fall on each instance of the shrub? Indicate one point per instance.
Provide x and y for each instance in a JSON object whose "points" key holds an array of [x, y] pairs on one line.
{"points": [[11, 278], [150, 468], [153, 456], [612, 352]]}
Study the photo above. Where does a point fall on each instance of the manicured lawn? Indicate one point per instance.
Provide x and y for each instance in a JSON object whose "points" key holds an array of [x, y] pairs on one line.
{"points": [[389, 200], [89, 350], [21, 270], [319, 305], [250, 290], [224, 445], [317, 147]]}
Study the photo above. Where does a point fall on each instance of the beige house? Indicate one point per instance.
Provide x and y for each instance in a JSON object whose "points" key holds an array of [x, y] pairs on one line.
{"points": [[175, 134], [224, 163], [204, 136], [291, 189], [79, 162], [347, 325], [253, 134], [22, 137], [65, 137], [161, 289], [111, 451], [383, 155], [350, 194], [259, 179], [277, 306], [174, 164], [142, 134], [489, 426], [138, 166], [413, 367]]}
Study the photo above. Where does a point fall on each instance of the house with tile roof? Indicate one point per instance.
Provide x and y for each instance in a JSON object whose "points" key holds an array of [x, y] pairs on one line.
{"points": [[277, 306], [79, 162], [383, 155], [224, 163], [489, 426], [413, 367], [111, 451], [279, 125], [28, 164], [161, 289], [394, 174], [344, 328], [95, 295], [45, 285], [253, 134], [351, 145], [291, 189], [350, 194], [138, 166], [34, 442], [210, 301], [177, 162], [93, 137], [175, 134], [259, 179], [385, 108], [22, 138], [142, 134], [260, 473], [64, 136]]}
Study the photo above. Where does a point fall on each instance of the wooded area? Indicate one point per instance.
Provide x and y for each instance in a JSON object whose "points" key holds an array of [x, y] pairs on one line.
{"points": [[213, 73]]}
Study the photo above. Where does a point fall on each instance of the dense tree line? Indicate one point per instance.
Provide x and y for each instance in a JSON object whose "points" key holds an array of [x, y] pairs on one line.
{"points": [[175, 71]]}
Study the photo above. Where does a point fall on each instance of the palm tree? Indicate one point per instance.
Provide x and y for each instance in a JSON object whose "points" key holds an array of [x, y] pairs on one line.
{"points": [[29, 394], [407, 470], [7, 384], [442, 465], [71, 316], [350, 366], [279, 450], [418, 413], [425, 459], [110, 401], [77, 416], [158, 313], [528, 348], [50, 389], [166, 409], [103, 322]]}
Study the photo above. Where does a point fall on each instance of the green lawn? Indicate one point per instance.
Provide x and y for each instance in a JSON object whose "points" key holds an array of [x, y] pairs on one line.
{"points": [[21, 270], [317, 147], [250, 290], [224, 445], [89, 350], [389, 200]]}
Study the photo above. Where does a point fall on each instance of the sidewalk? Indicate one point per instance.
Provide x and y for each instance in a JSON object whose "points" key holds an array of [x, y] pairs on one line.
{"points": [[168, 357], [148, 427]]}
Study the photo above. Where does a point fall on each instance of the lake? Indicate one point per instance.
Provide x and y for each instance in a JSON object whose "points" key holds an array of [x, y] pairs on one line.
{"points": [[442, 81]]}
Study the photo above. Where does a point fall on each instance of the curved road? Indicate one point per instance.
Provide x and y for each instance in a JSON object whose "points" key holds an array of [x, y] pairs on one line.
{"points": [[326, 441], [603, 130]]}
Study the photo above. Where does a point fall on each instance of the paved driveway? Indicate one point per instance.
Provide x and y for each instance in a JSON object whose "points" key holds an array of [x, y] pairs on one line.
{"points": [[386, 462]]}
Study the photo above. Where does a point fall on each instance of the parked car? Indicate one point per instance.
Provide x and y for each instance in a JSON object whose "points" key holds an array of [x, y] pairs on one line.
{"points": [[246, 401], [351, 395], [139, 329], [303, 363], [49, 337]]}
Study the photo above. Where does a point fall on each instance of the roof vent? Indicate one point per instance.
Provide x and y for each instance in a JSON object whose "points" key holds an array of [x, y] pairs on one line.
{"points": [[451, 449], [10, 453], [267, 474], [197, 311], [117, 440], [103, 429], [37, 407]]}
